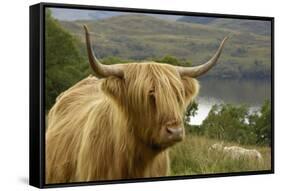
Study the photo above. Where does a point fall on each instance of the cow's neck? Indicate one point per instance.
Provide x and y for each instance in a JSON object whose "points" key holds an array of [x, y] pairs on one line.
{"points": [[140, 159], [133, 158]]}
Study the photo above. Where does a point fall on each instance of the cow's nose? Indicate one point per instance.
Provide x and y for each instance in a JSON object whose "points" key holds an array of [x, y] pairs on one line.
{"points": [[175, 134]]}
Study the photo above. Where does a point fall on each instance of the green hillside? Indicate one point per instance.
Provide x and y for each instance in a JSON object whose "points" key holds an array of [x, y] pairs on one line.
{"points": [[240, 25], [250, 26], [196, 19], [142, 37]]}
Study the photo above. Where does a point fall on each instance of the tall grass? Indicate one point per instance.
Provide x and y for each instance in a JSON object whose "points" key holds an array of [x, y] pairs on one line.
{"points": [[192, 157]]}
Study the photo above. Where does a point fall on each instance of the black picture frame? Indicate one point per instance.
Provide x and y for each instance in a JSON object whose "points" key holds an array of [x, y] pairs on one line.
{"points": [[37, 95]]}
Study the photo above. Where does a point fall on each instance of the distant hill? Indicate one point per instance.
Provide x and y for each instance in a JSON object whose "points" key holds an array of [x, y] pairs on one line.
{"points": [[243, 25], [196, 19], [143, 37]]}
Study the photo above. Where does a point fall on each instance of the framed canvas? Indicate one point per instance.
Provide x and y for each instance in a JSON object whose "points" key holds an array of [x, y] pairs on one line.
{"points": [[129, 95]]}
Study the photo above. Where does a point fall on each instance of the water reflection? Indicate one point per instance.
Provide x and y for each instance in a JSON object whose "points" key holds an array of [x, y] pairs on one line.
{"points": [[214, 91]]}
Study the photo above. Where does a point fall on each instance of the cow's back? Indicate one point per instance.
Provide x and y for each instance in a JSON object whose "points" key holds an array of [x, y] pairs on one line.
{"points": [[66, 122]]}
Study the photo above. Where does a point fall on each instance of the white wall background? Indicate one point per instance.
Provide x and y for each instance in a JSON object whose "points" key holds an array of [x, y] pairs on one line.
{"points": [[14, 73]]}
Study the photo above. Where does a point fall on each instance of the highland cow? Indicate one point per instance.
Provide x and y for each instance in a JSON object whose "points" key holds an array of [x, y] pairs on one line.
{"points": [[121, 124]]}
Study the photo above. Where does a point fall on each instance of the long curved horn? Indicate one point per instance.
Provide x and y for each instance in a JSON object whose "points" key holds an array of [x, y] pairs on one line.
{"points": [[197, 71], [100, 69]]}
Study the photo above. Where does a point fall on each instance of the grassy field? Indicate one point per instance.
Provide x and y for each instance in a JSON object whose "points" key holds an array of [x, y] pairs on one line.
{"points": [[191, 157]]}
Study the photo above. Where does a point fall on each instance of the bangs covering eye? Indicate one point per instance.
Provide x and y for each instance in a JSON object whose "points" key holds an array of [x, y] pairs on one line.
{"points": [[151, 91]]}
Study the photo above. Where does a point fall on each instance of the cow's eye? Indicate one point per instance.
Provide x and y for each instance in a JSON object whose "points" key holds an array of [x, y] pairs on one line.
{"points": [[151, 95], [151, 92]]}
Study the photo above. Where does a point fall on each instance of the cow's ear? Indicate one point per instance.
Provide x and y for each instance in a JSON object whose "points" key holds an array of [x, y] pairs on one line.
{"points": [[191, 87], [113, 87]]}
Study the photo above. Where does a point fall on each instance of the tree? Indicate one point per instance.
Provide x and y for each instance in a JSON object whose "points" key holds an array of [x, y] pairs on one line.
{"points": [[113, 60], [64, 63], [173, 61], [229, 122], [238, 124], [191, 111], [261, 122]]}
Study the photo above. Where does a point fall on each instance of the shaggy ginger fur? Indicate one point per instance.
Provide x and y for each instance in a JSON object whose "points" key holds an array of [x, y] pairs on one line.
{"points": [[103, 129]]}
